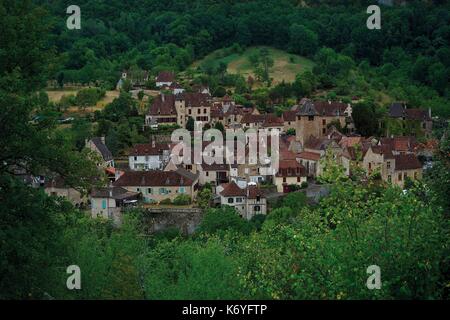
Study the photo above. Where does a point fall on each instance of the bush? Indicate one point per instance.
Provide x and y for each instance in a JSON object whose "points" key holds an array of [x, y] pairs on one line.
{"points": [[89, 96], [166, 201], [182, 199], [304, 185]]}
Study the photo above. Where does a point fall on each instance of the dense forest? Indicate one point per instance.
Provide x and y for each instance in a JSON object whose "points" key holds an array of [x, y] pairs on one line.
{"points": [[300, 250], [407, 58]]}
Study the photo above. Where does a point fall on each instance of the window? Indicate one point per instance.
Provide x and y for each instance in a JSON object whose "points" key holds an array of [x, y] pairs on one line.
{"points": [[104, 204], [135, 158], [310, 118], [204, 111], [389, 179], [188, 167], [258, 198], [138, 189], [207, 173], [149, 191], [298, 179], [190, 111], [162, 191], [238, 200], [399, 177], [257, 208], [284, 179], [388, 164], [415, 175], [324, 131], [181, 190], [324, 122], [230, 200], [405, 175]]}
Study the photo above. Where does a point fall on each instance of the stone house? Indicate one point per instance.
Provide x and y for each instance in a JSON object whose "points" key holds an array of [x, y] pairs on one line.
{"points": [[156, 186], [109, 202], [248, 201], [313, 118], [97, 144], [402, 120], [56, 186], [290, 172], [165, 78], [149, 156]]}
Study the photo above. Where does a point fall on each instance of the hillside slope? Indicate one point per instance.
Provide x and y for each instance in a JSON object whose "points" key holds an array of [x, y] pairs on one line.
{"points": [[286, 66]]}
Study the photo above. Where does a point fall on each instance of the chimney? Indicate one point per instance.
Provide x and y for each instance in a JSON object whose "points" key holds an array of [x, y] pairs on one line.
{"points": [[162, 97], [329, 101], [153, 143], [103, 139], [429, 112]]}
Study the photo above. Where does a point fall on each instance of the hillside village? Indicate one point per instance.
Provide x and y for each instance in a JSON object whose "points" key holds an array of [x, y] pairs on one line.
{"points": [[248, 150], [311, 132]]}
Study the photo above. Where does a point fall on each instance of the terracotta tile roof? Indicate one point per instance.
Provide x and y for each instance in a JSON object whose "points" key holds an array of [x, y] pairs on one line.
{"points": [[407, 162], [289, 115], [290, 168], [148, 149], [232, 190], [271, 120], [350, 141], [194, 99], [309, 155], [253, 118], [400, 143], [254, 192], [165, 76], [385, 150], [153, 178], [164, 105], [317, 143]]}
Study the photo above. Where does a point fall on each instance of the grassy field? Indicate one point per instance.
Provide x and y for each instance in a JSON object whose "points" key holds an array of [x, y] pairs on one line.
{"points": [[286, 65], [56, 95]]}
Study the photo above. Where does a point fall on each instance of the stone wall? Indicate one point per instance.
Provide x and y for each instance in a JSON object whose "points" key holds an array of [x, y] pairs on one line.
{"points": [[160, 219]]}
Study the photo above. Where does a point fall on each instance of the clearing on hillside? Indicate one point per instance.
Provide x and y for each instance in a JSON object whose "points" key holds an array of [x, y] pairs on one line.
{"points": [[286, 65]]}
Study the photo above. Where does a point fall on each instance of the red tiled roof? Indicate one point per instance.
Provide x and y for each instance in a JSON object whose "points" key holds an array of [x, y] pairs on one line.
{"points": [[147, 149], [153, 178], [254, 191], [289, 115], [163, 104], [194, 99], [165, 76], [271, 120], [253, 118], [309, 155], [400, 143], [350, 141], [232, 190], [407, 162], [385, 150]]}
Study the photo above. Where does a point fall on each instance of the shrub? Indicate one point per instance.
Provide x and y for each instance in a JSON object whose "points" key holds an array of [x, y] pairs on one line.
{"points": [[304, 185], [182, 199], [166, 201]]}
